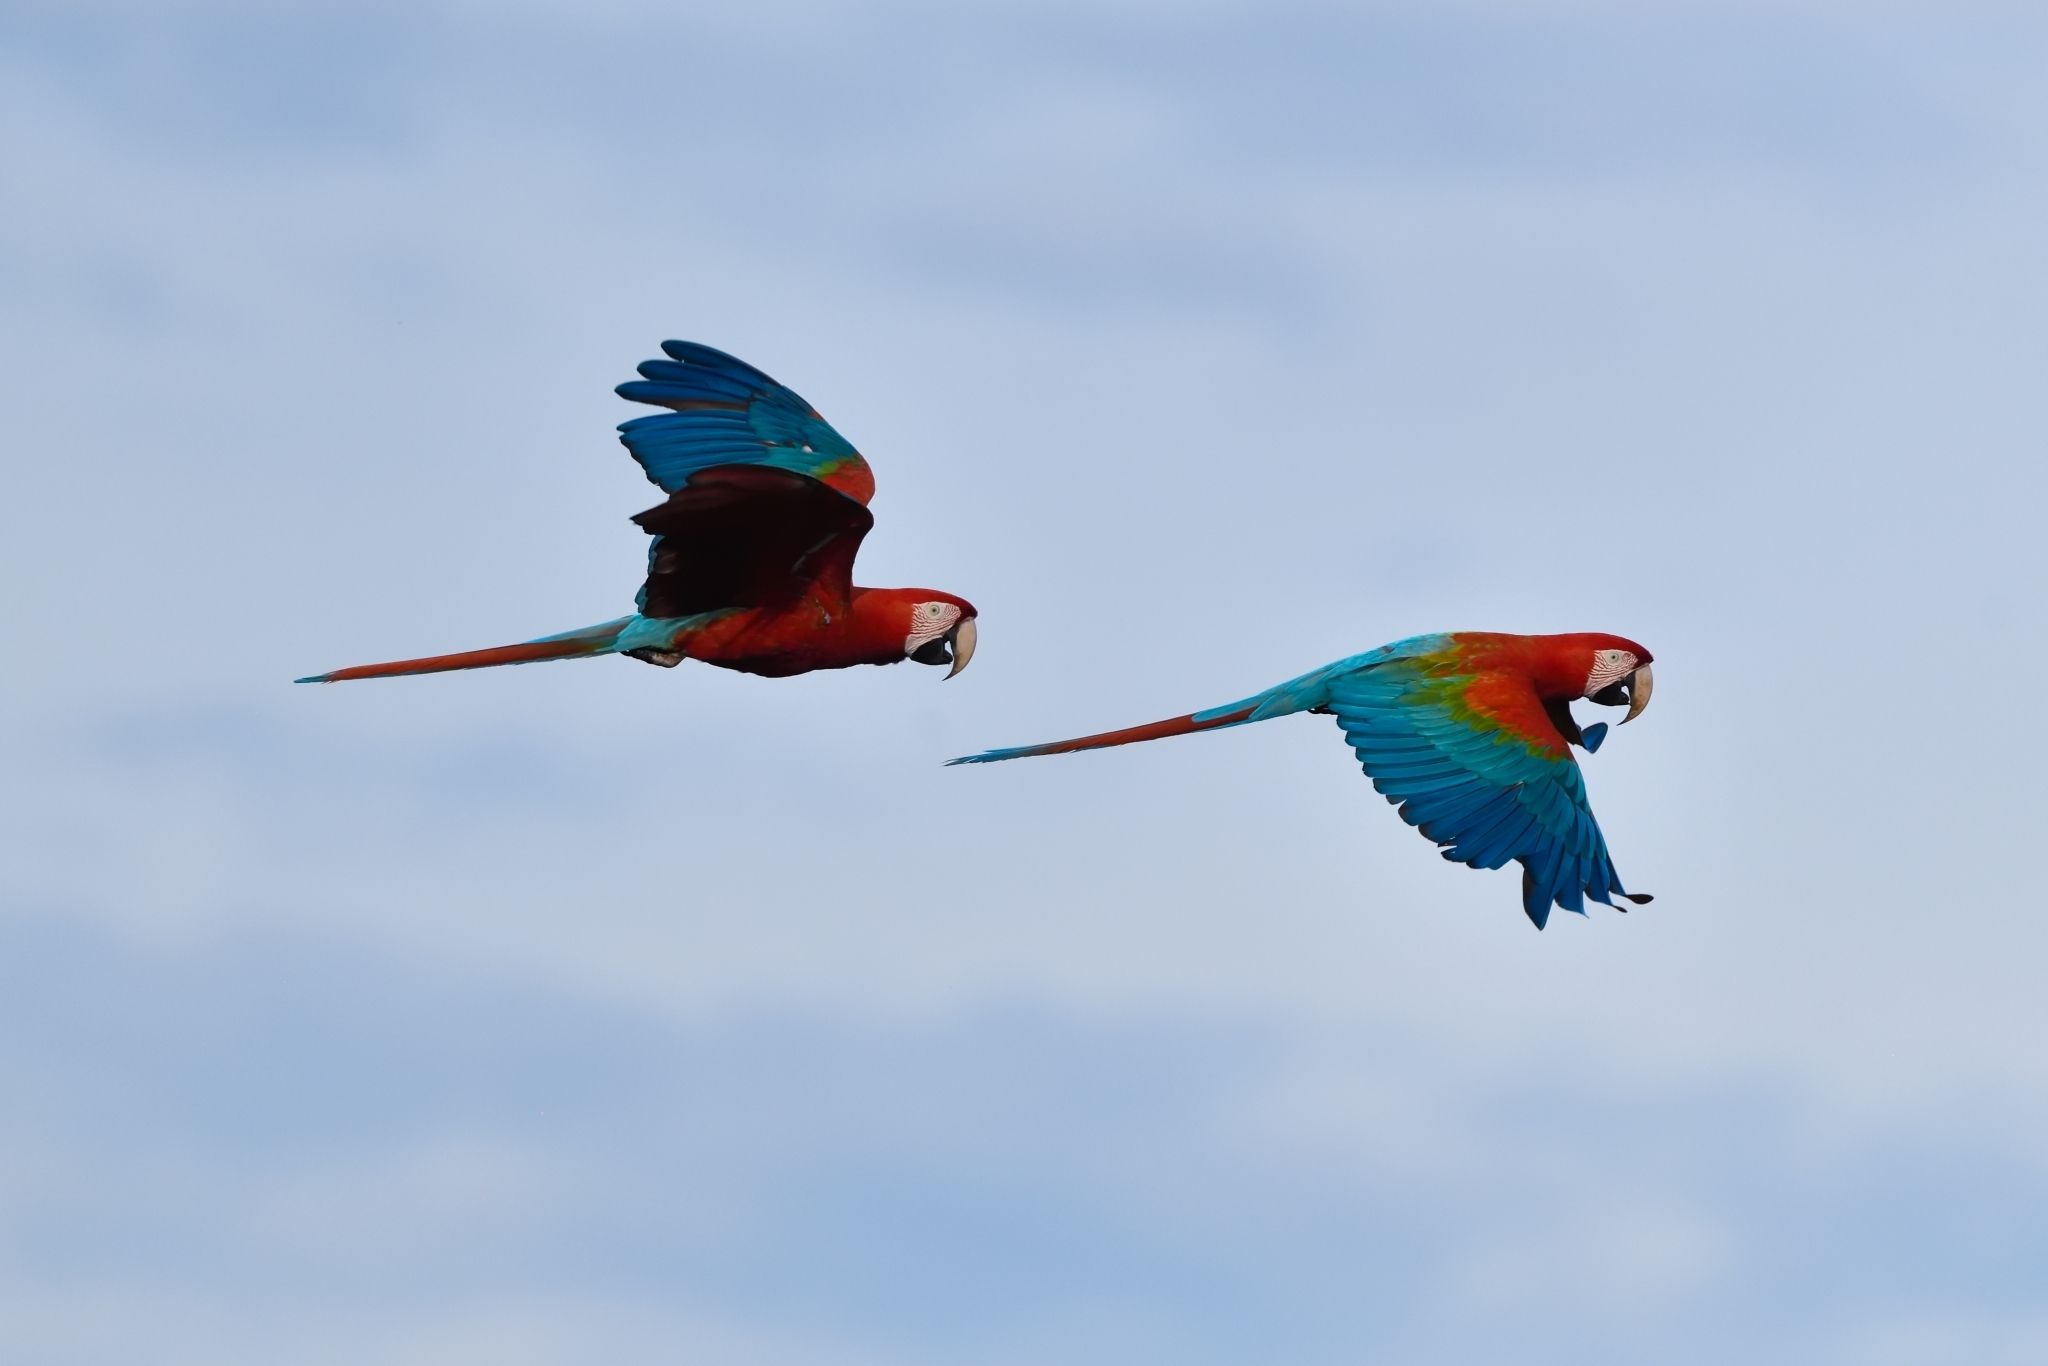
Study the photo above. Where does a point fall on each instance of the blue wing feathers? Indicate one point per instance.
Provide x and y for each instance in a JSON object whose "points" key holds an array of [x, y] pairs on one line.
{"points": [[1414, 784], [1484, 795], [1442, 818], [1493, 847], [1389, 750], [1596, 880], [730, 403], [1421, 766], [1550, 863], [712, 420], [711, 358], [726, 412], [701, 379], [1451, 810]]}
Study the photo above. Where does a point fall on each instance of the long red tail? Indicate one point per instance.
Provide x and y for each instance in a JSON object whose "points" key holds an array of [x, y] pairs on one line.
{"points": [[590, 640], [1130, 735]]}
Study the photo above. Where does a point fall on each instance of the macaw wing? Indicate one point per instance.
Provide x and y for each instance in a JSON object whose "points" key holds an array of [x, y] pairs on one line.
{"points": [[766, 500], [1475, 763], [725, 412], [749, 536]]}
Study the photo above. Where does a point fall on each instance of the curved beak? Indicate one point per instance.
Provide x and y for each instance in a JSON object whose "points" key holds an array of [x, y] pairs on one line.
{"points": [[1638, 693], [961, 638]]}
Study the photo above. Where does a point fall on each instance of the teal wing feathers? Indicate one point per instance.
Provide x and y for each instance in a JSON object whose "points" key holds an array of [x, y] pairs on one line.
{"points": [[1472, 761], [722, 411]]}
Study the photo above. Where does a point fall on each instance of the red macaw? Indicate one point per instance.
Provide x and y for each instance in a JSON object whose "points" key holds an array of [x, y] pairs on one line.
{"points": [[1467, 732], [751, 566]]}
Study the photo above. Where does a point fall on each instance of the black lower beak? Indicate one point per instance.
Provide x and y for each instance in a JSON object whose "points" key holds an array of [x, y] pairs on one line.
{"points": [[936, 651], [1613, 695]]}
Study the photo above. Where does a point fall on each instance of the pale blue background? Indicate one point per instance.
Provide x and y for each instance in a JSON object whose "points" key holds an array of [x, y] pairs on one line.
{"points": [[596, 1013]]}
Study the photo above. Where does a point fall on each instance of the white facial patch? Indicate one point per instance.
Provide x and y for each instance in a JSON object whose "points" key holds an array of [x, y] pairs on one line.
{"points": [[929, 621], [1608, 666]]}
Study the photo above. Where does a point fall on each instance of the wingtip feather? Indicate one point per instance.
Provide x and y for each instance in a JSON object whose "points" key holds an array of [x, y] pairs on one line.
{"points": [[995, 756]]}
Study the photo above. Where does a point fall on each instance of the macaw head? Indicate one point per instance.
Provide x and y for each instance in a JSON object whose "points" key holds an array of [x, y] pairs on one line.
{"points": [[1617, 674], [938, 628]]}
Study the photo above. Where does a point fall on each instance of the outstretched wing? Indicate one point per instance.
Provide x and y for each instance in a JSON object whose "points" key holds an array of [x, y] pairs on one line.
{"points": [[1475, 763], [766, 501], [749, 536]]}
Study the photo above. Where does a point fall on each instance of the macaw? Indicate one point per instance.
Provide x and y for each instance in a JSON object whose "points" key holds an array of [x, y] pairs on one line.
{"points": [[751, 566], [1468, 733]]}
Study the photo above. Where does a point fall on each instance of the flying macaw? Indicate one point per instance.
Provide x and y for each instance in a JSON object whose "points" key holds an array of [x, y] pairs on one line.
{"points": [[1467, 732], [751, 566]]}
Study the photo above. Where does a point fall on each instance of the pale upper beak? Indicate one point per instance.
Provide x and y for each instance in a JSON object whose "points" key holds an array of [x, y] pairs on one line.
{"points": [[1639, 684], [961, 637]]}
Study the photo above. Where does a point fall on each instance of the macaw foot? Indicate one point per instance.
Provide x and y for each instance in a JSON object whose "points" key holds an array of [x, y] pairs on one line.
{"points": [[664, 659]]}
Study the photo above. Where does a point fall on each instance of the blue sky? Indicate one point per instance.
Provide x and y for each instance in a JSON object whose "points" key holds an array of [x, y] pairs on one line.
{"points": [[597, 1012]]}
